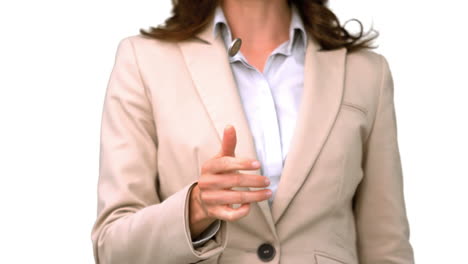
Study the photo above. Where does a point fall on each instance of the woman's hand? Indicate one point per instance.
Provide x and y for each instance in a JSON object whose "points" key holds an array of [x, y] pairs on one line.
{"points": [[212, 197]]}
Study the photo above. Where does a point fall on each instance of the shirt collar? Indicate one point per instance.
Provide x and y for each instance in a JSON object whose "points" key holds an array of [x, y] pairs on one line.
{"points": [[297, 30]]}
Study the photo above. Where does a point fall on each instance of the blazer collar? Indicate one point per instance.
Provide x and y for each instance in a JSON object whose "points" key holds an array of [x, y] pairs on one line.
{"points": [[208, 63]]}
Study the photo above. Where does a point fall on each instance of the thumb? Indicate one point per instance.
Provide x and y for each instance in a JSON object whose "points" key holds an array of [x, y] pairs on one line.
{"points": [[228, 145]]}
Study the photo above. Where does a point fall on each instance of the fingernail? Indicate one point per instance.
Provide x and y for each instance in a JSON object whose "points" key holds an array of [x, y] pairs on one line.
{"points": [[269, 192], [256, 164], [267, 181]]}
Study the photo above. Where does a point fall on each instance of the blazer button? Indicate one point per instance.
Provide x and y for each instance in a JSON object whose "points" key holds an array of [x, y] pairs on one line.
{"points": [[266, 252]]}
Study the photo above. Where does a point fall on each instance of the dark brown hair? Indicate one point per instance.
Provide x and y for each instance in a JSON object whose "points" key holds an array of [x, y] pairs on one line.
{"points": [[189, 17]]}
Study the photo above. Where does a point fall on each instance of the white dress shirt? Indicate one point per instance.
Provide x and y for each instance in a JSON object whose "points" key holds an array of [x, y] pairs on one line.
{"points": [[270, 98]]}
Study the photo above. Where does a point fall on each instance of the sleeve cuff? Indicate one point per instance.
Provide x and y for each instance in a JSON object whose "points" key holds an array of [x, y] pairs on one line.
{"points": [[207, 234]]}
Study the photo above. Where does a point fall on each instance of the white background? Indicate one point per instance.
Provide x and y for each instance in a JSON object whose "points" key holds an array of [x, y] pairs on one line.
{"points": [[55, 61]]}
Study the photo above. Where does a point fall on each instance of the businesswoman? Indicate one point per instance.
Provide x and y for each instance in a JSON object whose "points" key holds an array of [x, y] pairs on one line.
{"points": [[250, 131]]}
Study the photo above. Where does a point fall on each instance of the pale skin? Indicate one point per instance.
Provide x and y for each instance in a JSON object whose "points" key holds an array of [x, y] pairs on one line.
{"points": [[262, 25]]}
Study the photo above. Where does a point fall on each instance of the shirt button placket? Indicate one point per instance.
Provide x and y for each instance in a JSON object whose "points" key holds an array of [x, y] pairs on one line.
{"points": [[271, 134]]}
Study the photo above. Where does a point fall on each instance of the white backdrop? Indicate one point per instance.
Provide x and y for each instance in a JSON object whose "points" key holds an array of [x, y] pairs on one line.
{"points": [[55, 61]]}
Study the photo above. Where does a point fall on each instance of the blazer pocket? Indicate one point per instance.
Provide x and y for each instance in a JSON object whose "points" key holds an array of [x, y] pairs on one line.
{"points": [[354, 107], [321, 258]]}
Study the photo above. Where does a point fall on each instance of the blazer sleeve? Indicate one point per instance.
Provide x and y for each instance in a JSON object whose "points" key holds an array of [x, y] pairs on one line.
{"points": [[133, 224], [379, 208]]}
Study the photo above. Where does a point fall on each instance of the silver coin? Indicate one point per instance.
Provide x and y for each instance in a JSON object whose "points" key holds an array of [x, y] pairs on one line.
{"points": [[234, 47]]}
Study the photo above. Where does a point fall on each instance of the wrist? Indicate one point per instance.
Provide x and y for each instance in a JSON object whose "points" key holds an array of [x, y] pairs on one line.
{"points": [[198, 219]]}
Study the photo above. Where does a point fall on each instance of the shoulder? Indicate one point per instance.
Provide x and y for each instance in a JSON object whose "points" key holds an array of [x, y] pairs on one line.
{"points": [[364, 56], [150, 54], [366, 74], [367, 62], [367, 66], [143, 44]]}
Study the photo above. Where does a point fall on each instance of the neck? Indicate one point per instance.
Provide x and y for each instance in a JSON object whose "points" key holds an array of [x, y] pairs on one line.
{"points": [[259, 23]]}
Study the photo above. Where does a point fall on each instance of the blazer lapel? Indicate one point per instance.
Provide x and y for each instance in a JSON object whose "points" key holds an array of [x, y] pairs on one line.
{"points": [[207, 61], [320, 103]]}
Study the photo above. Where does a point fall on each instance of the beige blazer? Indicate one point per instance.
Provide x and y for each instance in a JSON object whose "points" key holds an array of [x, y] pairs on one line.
{"points": [[340, 198]]}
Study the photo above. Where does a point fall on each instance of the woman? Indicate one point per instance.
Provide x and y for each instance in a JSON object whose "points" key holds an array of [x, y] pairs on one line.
{"points": [[282, 151]]}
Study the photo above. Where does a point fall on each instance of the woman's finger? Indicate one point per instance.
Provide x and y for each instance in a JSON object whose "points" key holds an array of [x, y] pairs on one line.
{"points": [[218, 197], [227, 164], [228, 144], [227, 213], [227, 181]]}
